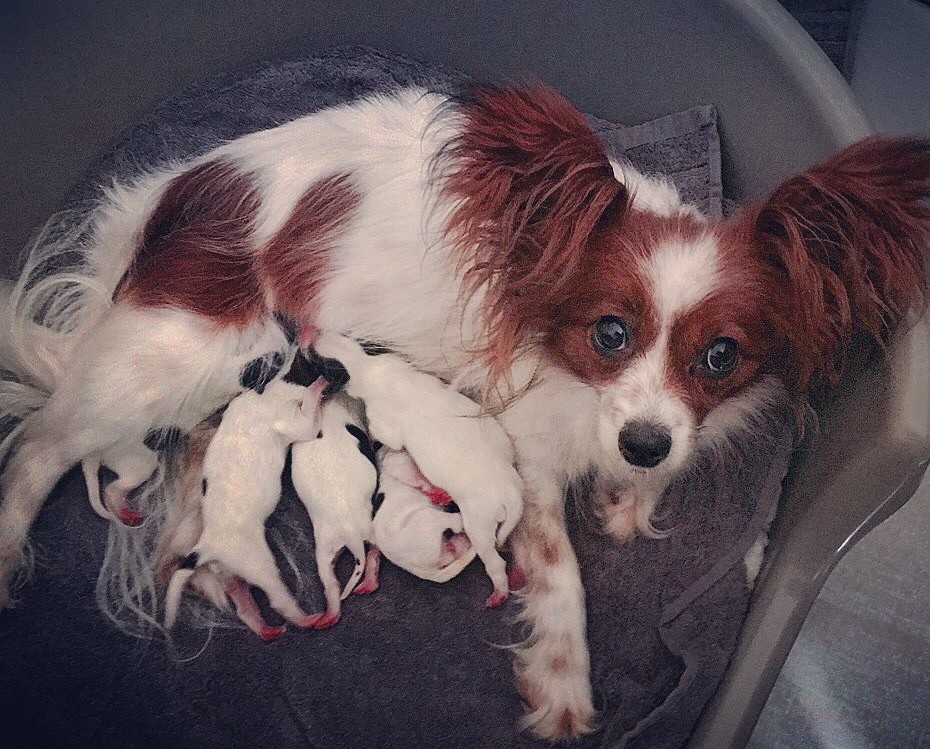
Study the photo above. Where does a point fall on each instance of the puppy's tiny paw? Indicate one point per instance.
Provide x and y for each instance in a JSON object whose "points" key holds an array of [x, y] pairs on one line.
{"points": [[496, 599]]}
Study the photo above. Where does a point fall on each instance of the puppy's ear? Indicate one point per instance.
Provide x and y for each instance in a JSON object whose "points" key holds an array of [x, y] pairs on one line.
{"points": [[528, 183], [846, 242], [310, 403]]}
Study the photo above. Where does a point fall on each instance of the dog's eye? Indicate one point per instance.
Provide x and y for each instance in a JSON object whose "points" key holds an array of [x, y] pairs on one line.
{"points": [[610, 335], [721, 357]]}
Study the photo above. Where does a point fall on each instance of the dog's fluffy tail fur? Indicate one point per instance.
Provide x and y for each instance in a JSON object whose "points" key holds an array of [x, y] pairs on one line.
{"points": [[65, 288]]}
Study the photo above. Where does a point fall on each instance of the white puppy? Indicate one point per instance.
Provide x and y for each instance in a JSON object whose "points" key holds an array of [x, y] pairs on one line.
{"points": [[413, 531], [241, 487], [335, 478], [457, 447]]}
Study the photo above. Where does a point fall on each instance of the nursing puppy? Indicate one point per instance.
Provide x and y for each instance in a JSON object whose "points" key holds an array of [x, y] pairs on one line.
{"points": [[242, 486], [413, 531], [456, 447], [336, 478], [490, 241]]}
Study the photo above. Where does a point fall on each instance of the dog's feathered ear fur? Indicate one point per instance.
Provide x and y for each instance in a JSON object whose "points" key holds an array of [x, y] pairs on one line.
{"points": [[847, 243], [528, 182]]}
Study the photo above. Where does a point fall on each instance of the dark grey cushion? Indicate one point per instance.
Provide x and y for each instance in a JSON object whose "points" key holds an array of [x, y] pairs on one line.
{"points": [[416, 664]]}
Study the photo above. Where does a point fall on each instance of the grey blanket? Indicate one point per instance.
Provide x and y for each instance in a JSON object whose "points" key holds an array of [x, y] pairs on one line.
{"points": [[417, 664]]}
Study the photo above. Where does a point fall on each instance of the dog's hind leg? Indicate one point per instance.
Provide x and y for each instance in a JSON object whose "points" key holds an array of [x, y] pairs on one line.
{"points": [[255, 564], [32, 472], [248, 612], [325, 565]]}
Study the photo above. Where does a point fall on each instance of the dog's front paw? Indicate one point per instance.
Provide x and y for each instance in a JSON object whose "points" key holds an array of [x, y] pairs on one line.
{"points": [[557, 699], [618, 513]]}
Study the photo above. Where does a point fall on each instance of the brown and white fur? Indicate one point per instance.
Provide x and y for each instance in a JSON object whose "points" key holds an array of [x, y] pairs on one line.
{"points": [[487, 240]]}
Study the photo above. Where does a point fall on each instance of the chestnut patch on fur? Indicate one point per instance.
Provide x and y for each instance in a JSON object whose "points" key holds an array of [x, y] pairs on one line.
{"points": [[295, 261], [529, 183], [196, 252], [612, 282], [844, 252]]}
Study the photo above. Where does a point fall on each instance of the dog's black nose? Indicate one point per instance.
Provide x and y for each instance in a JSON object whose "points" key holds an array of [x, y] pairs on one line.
{"points": [[644, 445]]}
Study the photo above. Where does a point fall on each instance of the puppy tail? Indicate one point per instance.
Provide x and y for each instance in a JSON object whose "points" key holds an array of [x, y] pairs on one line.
{"points": [[357, 550], [91, 469], [176, 586]]}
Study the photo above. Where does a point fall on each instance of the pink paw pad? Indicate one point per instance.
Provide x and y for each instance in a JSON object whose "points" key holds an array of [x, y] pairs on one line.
{"points": [[496, 599], [438, 496], [269, 633], [321, 621], [365, 587], [132, 518]]}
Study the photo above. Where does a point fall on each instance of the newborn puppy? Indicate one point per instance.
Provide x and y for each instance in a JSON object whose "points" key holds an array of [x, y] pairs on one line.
{"points": [[411, 529], [335, 478], [466, 453], [241, 487]]}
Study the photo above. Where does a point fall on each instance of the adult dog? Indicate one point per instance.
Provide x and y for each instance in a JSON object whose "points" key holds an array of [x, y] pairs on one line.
{"points": [[490, 241]]}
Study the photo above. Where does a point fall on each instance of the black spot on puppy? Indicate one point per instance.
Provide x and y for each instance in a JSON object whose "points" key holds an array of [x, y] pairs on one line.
{"points": [[190, 561], [302, 371], [203, 487], [288, 327], [259, 372], [364, 444], [306, 369], [162, 438], [376, 502], [450, 507], [373, 348]]}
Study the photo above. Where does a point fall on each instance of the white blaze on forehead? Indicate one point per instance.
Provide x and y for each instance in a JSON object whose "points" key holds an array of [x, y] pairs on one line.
{"points": [[681, 274]]}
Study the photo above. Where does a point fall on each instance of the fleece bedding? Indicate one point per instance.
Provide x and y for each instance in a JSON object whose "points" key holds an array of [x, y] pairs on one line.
{"points": [[417, 664]]}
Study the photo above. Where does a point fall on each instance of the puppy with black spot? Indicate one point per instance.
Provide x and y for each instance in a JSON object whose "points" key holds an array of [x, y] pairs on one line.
{"points": [[417, 525], [242, 486], [335, 477], [452, 442]]}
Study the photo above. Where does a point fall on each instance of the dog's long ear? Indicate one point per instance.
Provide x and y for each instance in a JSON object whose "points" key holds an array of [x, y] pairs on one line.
{"points": [[847, 243], [528, 183]]}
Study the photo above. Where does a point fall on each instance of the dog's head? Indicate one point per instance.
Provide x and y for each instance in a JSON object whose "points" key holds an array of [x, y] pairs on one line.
{"points": [[676, 320]]}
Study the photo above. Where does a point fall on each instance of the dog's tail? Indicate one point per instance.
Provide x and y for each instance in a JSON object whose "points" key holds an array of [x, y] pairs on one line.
{"points": [[176, 587], [91, 469], [356, 549]]}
